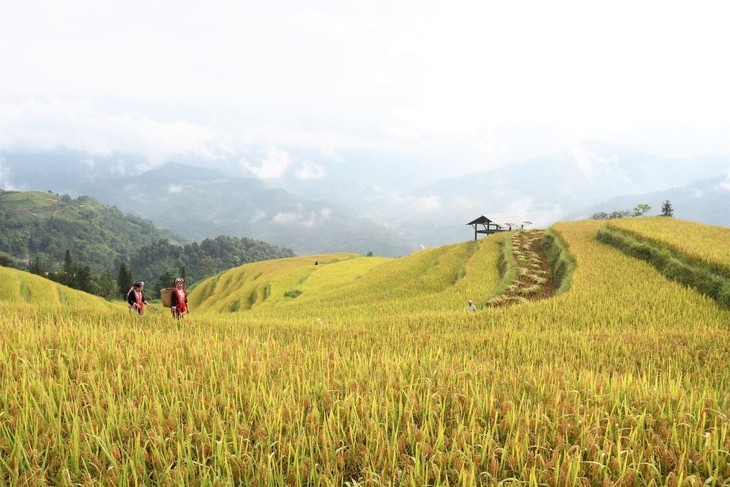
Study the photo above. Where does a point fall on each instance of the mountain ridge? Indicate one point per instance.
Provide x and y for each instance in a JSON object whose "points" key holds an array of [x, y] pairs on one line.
{"points": [[338, 213]]}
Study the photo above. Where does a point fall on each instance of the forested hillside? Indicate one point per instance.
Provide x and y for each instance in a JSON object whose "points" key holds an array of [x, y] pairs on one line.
{"points": [[85, 244]]}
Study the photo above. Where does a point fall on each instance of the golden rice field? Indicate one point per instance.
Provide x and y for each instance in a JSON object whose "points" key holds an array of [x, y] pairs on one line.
{"points": [[705, 243], [370, 371]]}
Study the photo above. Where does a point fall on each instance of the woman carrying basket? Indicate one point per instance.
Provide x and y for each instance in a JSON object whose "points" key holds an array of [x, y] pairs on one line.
{"points": [[179, 297]]}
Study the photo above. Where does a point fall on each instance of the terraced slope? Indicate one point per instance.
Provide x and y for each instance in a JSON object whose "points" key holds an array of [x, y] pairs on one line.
{"points": [[705, 243], [531, 278], [22, 288], [433, 279], [692, 254], [622, 380], [272, 282]]}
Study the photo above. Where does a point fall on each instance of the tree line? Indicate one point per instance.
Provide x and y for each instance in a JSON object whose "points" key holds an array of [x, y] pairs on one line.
{"points": [[639, 210], [95, 248], [159, 264]]}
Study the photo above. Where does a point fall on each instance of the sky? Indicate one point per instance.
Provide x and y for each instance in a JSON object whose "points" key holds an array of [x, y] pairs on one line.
{"points": [[446, 88]]}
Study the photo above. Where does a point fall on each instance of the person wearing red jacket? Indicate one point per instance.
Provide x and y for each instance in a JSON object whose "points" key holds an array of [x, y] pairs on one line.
{"points": [[136, 299], [179, 296]]}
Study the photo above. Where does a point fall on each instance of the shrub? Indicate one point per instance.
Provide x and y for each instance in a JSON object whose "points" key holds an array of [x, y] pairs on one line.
{"points": [[292, 293]]}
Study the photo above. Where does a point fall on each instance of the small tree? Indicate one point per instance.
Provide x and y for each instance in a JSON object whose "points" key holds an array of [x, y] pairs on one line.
{"points": [[641, 209], [68, 278], [166, 279], [106, 287], [667, 209], [6, 260], [37, 267], [83, 280], [619, 214], [124, 279]]}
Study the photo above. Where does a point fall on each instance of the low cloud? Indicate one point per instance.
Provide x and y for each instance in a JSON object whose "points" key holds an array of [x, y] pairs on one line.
{"points": [[258, 216], [589, 162], [302, 217], [175, 188], [5, 179], [273, 165], [418, 204], [307, 170], [725, 185], [49, 123]]}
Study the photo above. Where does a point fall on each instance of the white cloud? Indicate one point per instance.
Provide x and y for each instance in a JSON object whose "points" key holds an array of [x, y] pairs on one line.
{"points": [[472, 81], [308, 170], [272, 166], [588, 161], [48, 123], [302, 218], [119, 168], [258, 216], [5, 183], [725, 185], [416, 204], [175, 188], [286, 218]]}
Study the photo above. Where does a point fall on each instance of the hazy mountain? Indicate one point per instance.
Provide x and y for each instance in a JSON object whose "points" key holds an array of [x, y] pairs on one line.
{"points": [[62, 170], [338, 205], [706, 201], [552, 188], [204, 203]]}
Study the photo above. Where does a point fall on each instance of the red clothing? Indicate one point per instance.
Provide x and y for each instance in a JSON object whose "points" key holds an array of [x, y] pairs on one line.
{"points": [[136, 300], [180, 300]]}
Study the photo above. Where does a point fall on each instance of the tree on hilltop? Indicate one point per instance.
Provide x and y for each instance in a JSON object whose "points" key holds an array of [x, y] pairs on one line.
{"points": [[667, 209], [641, 209]]}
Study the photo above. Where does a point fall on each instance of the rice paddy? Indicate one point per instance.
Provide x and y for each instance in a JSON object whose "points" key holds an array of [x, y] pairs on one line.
{"points": [[371, 371]]}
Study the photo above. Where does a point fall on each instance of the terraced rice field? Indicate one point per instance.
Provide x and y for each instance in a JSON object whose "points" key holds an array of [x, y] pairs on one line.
{"points": [[369, 371]]}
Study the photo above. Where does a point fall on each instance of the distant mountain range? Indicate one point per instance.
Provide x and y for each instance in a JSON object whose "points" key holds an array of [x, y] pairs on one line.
{"points": [[564, 186], [203, 203], [706, 201], [335, 214]]}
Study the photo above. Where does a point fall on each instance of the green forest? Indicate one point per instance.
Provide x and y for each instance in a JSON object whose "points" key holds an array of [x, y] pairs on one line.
{"points": [[96, 248]]}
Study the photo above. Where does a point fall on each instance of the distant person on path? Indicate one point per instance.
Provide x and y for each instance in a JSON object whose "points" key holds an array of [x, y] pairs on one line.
{"points": [[136, 299], [179, 296], [470, 305]]}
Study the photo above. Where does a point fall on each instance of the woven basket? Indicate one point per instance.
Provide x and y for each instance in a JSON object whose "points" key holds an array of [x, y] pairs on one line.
{"points": [[166, 296]]}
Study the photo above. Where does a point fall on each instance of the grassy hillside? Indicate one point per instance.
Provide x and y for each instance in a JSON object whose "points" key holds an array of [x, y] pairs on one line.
{"points": [[440, 278], [692, 254], [20, 288], [375, 374], [42, 226], [704, 243]]}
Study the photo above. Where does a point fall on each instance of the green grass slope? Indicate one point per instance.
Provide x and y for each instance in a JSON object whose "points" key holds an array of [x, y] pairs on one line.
{"points": [[19, 288], [439, 278]]}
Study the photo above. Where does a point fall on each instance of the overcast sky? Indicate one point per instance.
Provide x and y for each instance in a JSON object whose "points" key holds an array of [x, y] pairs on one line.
{"points": [[455, 85]]}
